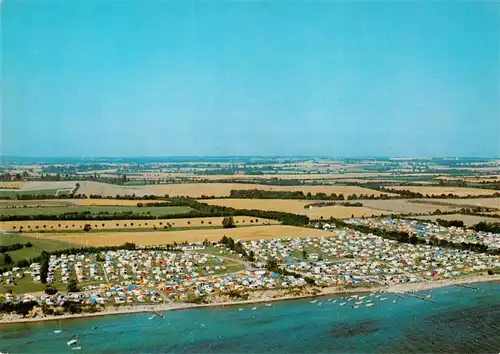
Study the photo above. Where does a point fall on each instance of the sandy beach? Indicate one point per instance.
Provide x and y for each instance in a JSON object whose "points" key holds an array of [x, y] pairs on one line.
{"points": [[396, 288]]}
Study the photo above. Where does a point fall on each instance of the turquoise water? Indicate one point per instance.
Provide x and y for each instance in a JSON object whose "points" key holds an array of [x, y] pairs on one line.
{"points": [[462, 320]]}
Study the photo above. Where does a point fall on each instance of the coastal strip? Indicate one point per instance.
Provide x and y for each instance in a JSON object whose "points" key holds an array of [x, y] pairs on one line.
{"points": [[396, 289]]}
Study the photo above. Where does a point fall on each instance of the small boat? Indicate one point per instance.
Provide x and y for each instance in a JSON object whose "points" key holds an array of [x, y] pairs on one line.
{"points": [[314, 301], [254, 308], [361, 297], [57, 331], [378, 295], [330, 299], [355, 307], [269, 305], [74, 342], [240, 309], [358, 302], [393, 301], [334, 301], [383, 298], [94, 327], [370, 304], [320, 303], [369, 301], [343, 303], [150, 318]]}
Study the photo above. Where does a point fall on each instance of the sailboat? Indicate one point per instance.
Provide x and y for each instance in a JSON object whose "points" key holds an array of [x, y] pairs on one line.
{"points": [[58, 330], [74, 342]]}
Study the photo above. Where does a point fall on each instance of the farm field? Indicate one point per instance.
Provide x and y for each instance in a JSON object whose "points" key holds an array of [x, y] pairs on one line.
{"points": [[461, 203], [36, 226], [165, 237], [468, 220], [12, 185], [295, 206], [404, 206], [39, 245], [57, 210], [13, 193], [114, 202], [196, 189], [224, 189], [458, 191], [35, 203]]}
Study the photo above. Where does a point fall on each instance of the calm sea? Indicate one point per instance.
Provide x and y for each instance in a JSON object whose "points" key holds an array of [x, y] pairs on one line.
{"points": [[461, 321]]}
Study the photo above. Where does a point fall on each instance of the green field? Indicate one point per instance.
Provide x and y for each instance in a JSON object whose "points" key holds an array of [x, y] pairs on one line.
{"points": [[39, 245], [58, 210], [13, 193]]}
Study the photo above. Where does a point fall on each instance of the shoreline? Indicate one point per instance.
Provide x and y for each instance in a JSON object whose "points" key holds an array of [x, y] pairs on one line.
{"points": [[395, 288]]}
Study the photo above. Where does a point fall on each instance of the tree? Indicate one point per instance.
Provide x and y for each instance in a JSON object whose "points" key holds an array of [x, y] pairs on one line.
{"points": [[87, 227], [251, 256], [228, 222], [272, 265], [72, 285], [7, 259], [50, 290], [304, 254]]}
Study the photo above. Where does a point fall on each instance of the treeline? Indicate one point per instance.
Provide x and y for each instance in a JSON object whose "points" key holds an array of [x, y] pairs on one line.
{"points": [[263, 194], [448, 223], [410, 195], [326, 204], [493, 227], [14, 247], [404, 237]]}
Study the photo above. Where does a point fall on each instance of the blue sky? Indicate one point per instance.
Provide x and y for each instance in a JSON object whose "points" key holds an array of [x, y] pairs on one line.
{"points": [[106, 78]]}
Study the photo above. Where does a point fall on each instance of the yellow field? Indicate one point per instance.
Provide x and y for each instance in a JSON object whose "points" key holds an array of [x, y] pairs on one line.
{"points": [[53, 225], [458, 191], [296, 207], [164, 237], [12, 185], [114, 202]]}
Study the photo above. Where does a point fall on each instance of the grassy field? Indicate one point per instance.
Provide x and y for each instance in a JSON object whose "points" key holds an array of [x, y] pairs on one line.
{"points": [[34, 203], [295, 206], [61, 225], [457, 191], [155, 211], [165, 237], [467, 219], [13, 193], [39, 245], [114, 202]]}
